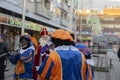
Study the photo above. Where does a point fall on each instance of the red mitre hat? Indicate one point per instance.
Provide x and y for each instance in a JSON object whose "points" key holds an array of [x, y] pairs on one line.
{"points": [[43, 31]]}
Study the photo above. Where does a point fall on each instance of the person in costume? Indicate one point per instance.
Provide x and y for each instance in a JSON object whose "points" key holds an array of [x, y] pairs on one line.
{"points": [[64, 62], [24, 60], [90, 63], [41, 51]]}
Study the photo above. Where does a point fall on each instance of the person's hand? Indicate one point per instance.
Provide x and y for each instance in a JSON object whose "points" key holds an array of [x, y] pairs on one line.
{"points": [[37, 68]]}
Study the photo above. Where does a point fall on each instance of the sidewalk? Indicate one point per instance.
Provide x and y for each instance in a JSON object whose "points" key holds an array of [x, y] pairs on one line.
{"points": [[109, 74], [9, 74], [101, 68]]}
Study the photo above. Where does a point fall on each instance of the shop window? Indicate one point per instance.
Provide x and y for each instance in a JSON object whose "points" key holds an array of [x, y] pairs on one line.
{"points": [[14, 1], [64, 15]]}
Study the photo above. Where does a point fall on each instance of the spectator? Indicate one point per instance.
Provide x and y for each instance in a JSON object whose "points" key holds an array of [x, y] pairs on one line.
{"points": [[90, 63], [118, 54], [3, 53]]}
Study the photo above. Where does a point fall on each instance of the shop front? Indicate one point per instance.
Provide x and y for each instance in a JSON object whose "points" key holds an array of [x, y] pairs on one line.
{"points": [[11, 27]]}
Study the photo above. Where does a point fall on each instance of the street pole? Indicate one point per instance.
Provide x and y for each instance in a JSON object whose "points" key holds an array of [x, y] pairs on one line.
{"points": [[23, 17], [81, 20]]}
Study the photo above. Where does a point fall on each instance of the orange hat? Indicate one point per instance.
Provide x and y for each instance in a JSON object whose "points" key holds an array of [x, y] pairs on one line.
{"points": [[43, 31], [61, 34]]}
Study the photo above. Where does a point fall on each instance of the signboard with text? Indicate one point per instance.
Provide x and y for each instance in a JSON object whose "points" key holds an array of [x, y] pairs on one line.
{"points": [[28, 25]]}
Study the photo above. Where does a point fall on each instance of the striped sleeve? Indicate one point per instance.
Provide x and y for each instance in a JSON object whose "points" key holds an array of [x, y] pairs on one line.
{"points": [[90, 73], [46, 68], [84, 67]]}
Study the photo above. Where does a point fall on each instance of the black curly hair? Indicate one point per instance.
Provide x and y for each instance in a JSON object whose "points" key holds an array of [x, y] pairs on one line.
{"points": [[59, 42]]}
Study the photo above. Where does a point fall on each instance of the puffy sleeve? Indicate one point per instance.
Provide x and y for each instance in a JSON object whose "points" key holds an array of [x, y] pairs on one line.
{"points": [[27, 55]]}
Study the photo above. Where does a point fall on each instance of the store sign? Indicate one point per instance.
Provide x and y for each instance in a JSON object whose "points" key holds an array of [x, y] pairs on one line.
{"points": [[3, 19], [28, 25]]}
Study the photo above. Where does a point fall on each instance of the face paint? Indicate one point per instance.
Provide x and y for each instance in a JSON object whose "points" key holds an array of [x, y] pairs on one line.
{"points": [[24, 43]]}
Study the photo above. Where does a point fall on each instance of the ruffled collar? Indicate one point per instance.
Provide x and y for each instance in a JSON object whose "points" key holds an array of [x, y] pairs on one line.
{"points": [[23, 50]]}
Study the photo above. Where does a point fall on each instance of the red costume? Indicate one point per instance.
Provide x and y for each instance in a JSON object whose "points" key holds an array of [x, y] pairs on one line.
{"points": [[37, 57]]}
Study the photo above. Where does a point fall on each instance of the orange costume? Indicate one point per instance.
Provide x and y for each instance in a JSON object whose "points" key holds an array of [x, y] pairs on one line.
{"points": [[65, 62]]}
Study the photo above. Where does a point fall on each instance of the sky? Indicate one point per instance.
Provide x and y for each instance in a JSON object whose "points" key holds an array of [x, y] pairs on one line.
{"points": [[100, 4]]}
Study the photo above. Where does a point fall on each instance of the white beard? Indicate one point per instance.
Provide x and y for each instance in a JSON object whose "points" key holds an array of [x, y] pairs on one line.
{"points": [[42, 42]]}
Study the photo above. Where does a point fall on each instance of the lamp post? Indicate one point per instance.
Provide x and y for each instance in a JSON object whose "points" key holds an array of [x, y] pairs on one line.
{"points": [[81, 19], [23, 17]]}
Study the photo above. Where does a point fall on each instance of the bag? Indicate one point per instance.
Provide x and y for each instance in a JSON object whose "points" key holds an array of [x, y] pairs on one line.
{"points": [[19, 69]]}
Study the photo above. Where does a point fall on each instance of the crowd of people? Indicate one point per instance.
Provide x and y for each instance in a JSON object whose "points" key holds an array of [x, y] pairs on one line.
{"points": [[54, 57]]}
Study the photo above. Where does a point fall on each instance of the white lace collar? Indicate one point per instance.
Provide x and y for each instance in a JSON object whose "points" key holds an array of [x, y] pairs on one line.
{"points": [[23, 50]]}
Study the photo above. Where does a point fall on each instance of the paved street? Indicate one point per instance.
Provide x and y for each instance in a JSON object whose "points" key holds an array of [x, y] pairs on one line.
{"points": [[113, 73], [99, 75], [9, 74]]}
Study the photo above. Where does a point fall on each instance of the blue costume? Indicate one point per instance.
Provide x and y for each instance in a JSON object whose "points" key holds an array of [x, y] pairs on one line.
{"points": [[24, 60], [89, 62], [65, 62], [27, 65]]}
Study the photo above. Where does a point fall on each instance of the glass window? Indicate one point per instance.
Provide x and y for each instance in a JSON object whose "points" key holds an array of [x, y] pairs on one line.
{"points": [[14, 1], [47, 4], [32, 0]]}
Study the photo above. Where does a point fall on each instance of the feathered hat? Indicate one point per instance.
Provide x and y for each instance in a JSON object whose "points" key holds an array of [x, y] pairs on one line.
{"points": [[26, 37]]}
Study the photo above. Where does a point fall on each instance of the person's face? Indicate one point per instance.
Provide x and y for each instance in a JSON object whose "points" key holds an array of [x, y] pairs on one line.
{"points": [[43, 40], [23, 42], [45, 37]]}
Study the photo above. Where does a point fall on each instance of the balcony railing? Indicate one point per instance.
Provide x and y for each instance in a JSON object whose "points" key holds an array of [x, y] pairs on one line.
{"points": [[30, 6], [41, 10]]}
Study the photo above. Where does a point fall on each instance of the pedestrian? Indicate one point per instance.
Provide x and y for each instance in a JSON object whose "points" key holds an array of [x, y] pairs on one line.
{"points": [[118, 54], [110, 55], [3, 53], [41, 51], [24, 60], [64, 62], [89, 62]]}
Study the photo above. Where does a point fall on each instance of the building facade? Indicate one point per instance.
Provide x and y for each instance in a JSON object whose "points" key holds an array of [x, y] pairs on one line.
{"points": [[52, 14]]}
